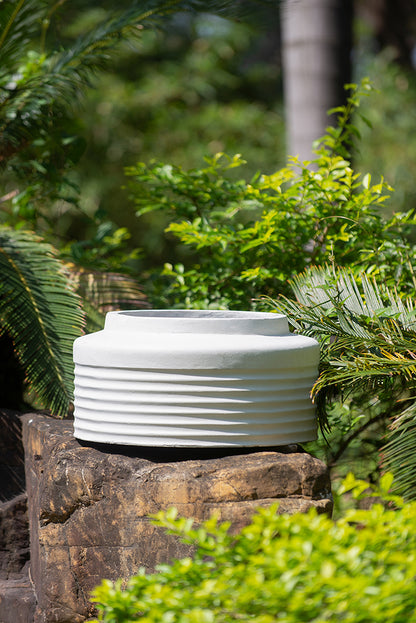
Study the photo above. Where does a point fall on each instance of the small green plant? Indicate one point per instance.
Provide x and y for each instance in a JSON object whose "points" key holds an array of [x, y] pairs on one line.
{"points": [[282, 568]]}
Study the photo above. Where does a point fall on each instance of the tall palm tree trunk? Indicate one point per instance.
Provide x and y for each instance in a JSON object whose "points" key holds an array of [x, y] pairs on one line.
{"points": [[317, 39]]}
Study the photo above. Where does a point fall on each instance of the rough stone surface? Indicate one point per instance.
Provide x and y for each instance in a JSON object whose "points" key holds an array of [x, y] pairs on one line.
{"points": [[89, 509], [14, 537], [17, 601]]}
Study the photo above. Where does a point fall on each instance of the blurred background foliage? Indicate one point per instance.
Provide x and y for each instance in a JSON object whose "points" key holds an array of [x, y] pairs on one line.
{"points": [[202, 85], [388, 147]]}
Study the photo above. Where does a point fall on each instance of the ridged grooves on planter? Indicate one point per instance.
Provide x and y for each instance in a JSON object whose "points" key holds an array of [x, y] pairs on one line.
{"points": [[254, 390]]}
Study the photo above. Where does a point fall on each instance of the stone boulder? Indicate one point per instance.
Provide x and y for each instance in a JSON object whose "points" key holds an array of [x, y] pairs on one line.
{"points": [[89, 507]]}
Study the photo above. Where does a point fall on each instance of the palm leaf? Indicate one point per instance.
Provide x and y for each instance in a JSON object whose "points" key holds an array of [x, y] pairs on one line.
{"points": [[356, 293], [367, 332], [19, 23], [41, 313]]}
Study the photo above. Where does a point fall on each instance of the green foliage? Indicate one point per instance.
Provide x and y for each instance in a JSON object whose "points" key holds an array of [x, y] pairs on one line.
{"points": [[42, 80], [107, 250], [358, 425], [389, 145], [202, 85], [368, 349], [248, 239], [45, 74], [42, 315], [281, 568], [38, 87]]}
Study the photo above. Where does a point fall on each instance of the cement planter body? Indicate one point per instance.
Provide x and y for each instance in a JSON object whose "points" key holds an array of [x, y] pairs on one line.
{"points": [[195, 379]]}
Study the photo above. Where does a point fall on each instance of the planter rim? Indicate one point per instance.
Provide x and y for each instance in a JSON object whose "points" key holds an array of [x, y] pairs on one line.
{"points": [[199, 321]]}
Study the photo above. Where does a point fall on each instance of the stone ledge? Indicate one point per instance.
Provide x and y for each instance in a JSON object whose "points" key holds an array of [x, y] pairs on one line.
{"points": [[88, 509]]}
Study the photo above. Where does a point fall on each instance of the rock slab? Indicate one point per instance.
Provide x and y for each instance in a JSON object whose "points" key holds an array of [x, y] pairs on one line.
{"points": [[89, 509]]}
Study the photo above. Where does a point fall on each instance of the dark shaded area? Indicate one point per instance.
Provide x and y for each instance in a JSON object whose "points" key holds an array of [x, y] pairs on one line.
{"points": [[11, 375], [343, 24], [12, 466], [393, 25], [168, 454], [17, 598]]}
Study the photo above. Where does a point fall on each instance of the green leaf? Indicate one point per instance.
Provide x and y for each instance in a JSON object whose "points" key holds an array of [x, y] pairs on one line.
{"points": [[367, 181]]}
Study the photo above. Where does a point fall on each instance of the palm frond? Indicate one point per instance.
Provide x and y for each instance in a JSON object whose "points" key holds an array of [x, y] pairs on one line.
{"points": [[19, 23], [103, 292], [367, 333], [355, 293], [41, 313], [399, 454], [60, 77], [368, 347], [351, 315]]}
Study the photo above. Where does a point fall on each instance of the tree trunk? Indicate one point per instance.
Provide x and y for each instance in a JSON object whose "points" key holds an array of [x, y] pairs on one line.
{"points": [[316, 37]]}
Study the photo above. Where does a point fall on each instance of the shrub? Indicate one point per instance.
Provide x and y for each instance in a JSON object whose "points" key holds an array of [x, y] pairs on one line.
{"points": [[281, 568], [247, 239]]}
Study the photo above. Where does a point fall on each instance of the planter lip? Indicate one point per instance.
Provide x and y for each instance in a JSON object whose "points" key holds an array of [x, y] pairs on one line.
{"points": [[197, 321]]}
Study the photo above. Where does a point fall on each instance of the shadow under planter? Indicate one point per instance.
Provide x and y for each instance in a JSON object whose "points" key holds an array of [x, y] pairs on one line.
{"points": [[89, 508]]}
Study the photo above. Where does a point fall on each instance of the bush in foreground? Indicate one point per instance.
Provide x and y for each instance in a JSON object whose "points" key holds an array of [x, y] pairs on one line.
{"points": [[285, 568]]}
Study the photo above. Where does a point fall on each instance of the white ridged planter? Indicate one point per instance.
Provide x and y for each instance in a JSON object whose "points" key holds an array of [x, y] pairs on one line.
{"points": [[195, 379]]}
